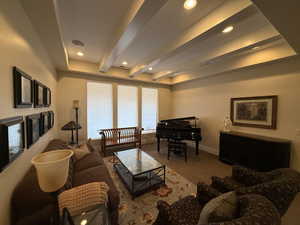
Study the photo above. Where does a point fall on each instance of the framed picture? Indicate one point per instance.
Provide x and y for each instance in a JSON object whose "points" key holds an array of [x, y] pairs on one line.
{"points": [[33, 128], [259, 112], [11, 140], [38, 94], [51, 119], [23, 89], [47, 97], [44, 123]]}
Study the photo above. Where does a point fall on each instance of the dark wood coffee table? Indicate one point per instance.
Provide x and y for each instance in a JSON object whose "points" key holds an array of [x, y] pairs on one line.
{"points": [[139, 171]]}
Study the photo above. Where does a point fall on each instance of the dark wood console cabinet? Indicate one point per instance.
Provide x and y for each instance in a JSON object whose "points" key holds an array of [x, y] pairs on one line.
{"points": [[254, 151]]}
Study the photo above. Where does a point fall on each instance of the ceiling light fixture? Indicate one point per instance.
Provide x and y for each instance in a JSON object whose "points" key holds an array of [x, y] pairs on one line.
{"points": [[228, 29], [189, 4], [80, 53], [255, 48], [124, 63], [150, 68]]}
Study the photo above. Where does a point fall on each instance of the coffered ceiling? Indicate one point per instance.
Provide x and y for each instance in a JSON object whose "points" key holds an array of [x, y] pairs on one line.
{"points": [[157, 41]]}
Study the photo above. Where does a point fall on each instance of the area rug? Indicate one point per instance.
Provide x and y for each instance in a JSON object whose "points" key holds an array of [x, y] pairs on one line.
{"points": [[142, 210]]}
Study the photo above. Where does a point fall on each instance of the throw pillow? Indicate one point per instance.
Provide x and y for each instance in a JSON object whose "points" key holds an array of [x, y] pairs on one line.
{"points": [[81, 151], [83, 198], [221, 208]]}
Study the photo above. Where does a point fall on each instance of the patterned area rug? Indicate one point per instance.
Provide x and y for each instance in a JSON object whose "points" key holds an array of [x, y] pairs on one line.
{"points": [[142, 210]]}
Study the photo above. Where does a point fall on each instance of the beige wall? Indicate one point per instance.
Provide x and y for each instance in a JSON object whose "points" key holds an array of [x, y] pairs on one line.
{"points": [[209, 99], [21, 47], [73, 86]]}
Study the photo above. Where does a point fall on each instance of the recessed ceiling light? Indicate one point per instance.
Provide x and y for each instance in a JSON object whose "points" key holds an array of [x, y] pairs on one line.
{"points": [[228, 29], [189, 4], [150, 68], [255, 48], [78, 43], [80, 53], [124, 63]]}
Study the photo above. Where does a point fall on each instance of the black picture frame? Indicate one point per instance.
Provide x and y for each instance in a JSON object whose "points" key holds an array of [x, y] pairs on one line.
{"points": [[51, 119], [23, 89], [44, 123], [47, 97], [33, 128], [270, 105], [11, 133], [39, 94]]}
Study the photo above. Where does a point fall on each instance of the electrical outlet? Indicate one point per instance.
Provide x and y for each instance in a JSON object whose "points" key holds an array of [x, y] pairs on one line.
{"points": [[298, 132]]}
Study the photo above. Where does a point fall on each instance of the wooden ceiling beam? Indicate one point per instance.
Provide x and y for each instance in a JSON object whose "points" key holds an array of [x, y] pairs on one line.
{"points": [[221, 15], [142, 11]]}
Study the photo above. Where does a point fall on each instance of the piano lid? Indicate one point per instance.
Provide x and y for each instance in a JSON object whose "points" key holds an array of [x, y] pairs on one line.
{"points": [[183, 118]]}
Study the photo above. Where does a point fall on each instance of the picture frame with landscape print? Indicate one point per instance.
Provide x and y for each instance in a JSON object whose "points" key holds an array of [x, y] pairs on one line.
{"points": [[23, 89], [12, 140], [39, 94], [259, 112], [33, 128]]}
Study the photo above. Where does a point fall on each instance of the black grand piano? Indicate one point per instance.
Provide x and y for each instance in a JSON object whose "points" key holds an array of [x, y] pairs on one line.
{"points": [[179, 129]]}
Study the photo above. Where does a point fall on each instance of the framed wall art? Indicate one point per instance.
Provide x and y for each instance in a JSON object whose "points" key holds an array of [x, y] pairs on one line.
{"points": [[12, 141], [47, 96], [33, 128], [38, 94], [259, 112], [23, 89], [44, 123], [51, 119]]}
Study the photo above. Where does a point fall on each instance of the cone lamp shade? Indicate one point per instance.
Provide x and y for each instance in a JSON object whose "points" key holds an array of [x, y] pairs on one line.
{"points": [[52, 169]]}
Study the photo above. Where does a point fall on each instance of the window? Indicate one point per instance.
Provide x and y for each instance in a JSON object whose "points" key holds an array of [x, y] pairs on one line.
{"points": [[149, 108], [99, 108], [127, 106]]}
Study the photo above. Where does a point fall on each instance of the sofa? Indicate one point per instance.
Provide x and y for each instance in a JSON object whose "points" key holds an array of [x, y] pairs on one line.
{"points": [[252, 209], [31, 206]]}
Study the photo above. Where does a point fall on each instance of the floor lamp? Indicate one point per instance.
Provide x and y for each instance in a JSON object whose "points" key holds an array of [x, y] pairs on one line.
{"points": [[76, 107]]}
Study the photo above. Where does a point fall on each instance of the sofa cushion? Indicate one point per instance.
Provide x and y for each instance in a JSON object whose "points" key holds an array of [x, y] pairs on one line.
{"points": [[98, 174], [90, 160]]}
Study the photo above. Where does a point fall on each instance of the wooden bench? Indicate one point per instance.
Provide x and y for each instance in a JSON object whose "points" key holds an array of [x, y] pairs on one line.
{"points": [[120, 136]]}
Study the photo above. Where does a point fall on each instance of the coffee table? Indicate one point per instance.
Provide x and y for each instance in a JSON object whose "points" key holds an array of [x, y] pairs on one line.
{"points": [[139, 171]]}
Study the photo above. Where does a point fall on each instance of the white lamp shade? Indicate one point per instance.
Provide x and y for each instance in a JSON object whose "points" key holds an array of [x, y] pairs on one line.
{"points": [[52, 169]]}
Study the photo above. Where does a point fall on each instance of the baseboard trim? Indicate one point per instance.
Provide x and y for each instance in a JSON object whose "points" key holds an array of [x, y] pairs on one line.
{"points": [[209, 149]]}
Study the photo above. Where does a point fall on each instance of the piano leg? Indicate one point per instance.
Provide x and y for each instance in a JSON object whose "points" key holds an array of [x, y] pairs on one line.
{"points": [[158, 144], [197, 147]]}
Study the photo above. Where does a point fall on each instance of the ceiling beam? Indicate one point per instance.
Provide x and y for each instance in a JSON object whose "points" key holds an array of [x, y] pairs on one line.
{"points": [[221, 15], [139, 16], [272, 52], [285, 17], [217, 58]]}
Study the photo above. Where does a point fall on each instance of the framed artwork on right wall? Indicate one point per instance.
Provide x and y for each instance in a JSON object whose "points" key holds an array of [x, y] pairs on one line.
{"points": [[259, 112]]}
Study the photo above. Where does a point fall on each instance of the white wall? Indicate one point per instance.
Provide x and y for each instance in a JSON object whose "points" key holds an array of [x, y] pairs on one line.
{"points": [[21, 47], [74, 87], [209, 99]]}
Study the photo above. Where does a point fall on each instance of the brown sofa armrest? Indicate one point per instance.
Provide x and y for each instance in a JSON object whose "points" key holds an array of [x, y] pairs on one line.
{"points": [[206, 193]]}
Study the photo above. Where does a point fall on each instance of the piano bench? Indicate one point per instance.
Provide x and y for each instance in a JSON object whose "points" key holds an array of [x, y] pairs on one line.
{"points": [[177, 146]]}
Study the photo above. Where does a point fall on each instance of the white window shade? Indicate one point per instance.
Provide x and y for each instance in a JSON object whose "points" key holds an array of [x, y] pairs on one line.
{"points": [[149, 108], [127, 106], [99, 108]]}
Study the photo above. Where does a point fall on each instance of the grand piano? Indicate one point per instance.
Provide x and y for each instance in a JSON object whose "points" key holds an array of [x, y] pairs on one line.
{"points": [[179, 129]]}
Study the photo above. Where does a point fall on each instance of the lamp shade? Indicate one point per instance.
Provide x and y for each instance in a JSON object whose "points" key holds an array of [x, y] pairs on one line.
{"points": [[52, 169], [76, 104]]}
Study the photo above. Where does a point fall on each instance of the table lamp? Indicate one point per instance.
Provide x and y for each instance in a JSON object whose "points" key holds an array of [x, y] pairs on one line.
{"points": [[52, 169], [76, 107]]}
